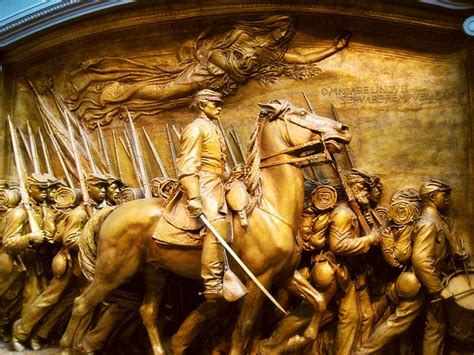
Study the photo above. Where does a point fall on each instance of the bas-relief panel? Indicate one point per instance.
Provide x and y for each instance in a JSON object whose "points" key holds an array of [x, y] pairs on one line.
{"points": [[407, 108]]}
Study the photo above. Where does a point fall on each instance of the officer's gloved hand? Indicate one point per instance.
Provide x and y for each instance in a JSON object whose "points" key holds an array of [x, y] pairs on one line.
{"points": [[194, 207]]}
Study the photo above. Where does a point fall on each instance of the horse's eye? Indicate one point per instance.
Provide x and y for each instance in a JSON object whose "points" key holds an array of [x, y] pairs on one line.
{"points": [[302, 113]]}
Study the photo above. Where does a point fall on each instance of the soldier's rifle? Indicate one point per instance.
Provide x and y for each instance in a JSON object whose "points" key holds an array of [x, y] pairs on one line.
{"points": [[139, 155], [105, 149], [25, 198], [346, 147], [25, 143], [172, 149], [236, 139], [347, 189], [80, 172], [156, 155], [119, 168], [227, 143], [46, 155], [90, 158], [62, 162], [131, 156], [34, 150], [311, 108]]}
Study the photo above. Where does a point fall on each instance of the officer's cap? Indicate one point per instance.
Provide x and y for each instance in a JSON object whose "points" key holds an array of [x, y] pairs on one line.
{"points": [[433, 185], [209, 95]]}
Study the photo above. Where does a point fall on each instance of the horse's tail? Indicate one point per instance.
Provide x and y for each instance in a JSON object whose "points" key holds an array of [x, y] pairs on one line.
{"points": [[88, 242]]}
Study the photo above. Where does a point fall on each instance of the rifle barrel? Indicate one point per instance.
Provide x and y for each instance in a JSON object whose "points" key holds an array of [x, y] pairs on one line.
{"points": [[164, 172]]}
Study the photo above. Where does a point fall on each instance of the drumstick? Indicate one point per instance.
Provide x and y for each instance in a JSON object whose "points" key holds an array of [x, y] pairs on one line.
{"points": [[455, 295]]}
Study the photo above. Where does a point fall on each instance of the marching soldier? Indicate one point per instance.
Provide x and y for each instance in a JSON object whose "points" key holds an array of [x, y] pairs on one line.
{"points": [[65, 266], [112, 192]]}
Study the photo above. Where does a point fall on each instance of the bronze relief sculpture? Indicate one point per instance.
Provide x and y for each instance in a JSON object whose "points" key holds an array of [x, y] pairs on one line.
{"points": [[351, 274]]}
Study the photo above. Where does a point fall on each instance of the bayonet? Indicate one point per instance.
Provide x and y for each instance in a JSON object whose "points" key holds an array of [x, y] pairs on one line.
{"points": [[131, 155], [236, 138], [140, 160], [90, 158], [60, 156], [119, 168], [47, 158], [77, 159], [25, 199], [227, 143], [346, 146], [34, 150], [172, 149], [164, 172], [105, 149], [25, 143]]}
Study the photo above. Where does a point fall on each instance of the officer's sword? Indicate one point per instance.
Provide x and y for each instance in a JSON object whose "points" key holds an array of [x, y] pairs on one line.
{"points": [[240, 262]]}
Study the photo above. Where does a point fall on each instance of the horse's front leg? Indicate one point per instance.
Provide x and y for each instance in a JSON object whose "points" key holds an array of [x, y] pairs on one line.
{"points": [[85, 303], [300, 286], [155, 281], [251, 305]]}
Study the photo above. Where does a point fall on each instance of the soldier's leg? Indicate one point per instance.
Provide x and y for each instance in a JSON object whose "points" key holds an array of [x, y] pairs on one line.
{"points": [[41, 305], [397, 323], [61, 309], [366, 313], [348, 323], [435, 329], [212, 260]]}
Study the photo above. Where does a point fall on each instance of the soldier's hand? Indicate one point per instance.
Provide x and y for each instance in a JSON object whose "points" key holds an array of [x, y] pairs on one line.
{"points": [[194, 207], [445, 294], [36, 237], [375, 236]]}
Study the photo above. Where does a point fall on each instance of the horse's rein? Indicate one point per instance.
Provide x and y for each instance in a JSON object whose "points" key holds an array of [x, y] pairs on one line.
{"points": [[294, 148]]}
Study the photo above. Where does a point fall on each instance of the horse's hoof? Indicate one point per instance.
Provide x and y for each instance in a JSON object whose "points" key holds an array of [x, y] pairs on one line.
{"points": [[17, 344]]}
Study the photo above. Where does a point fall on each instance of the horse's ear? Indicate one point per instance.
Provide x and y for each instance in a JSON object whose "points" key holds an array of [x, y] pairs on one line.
{"points": [[271, 109]]}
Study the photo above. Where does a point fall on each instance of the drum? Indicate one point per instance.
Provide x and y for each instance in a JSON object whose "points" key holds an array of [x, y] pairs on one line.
{"points": [[460, 309]]}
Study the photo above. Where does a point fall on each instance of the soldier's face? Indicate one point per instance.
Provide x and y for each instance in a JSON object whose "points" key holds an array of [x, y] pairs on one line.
{"points": [[37, 193], [97, 192], [51, 193], [211, 109], [361, 193], [113, 191], [442, 200]]}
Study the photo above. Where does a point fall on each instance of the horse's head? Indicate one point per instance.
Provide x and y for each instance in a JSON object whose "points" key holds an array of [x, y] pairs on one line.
{"points": [[299, 126]]}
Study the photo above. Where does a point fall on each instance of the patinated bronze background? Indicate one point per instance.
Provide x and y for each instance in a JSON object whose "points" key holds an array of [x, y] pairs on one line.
{"points": [[404, 83]]}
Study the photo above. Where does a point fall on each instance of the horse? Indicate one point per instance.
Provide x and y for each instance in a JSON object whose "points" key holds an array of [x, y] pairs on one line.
{"points": [[268, 245]]}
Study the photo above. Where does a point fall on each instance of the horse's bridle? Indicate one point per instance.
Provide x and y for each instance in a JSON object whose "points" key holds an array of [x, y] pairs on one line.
{"points": [[302, 123]]}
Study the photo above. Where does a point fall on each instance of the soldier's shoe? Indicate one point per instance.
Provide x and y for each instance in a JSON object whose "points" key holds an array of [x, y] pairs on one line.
{"points": [[16, 344], [35, 343]]}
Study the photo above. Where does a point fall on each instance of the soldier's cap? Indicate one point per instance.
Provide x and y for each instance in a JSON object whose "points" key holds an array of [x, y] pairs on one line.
{"points": [[208, 94], [96, 179], [433, 185], [356, 175], [40, 180], [111, 179], [54, 181]]}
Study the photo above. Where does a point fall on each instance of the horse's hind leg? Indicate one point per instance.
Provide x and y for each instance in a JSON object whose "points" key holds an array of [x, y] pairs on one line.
{"points": [[154, 284], [92, 296]]}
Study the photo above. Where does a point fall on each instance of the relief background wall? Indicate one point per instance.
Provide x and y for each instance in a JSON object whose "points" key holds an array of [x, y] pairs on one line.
{"points": [[403, 85]]}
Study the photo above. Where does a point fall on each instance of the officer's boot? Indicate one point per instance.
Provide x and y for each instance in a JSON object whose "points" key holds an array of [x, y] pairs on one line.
{"points": [[212, 260]]}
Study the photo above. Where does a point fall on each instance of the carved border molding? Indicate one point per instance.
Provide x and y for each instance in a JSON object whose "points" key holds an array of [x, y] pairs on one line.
{"points": [[49, 16], [149, 13]]}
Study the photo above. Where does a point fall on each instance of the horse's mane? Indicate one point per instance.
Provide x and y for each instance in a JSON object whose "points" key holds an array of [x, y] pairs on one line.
{"points": [[253, 175]]}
